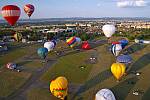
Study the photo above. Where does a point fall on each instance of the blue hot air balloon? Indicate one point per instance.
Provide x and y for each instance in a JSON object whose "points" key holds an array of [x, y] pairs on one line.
{"points": [[54, 41], [124, 43], [126, 59], [42, 52]]}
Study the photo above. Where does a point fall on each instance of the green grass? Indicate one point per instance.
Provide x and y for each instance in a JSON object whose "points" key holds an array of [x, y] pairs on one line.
{"points": [[17, 53], [10, 81], [40, 94], [68, 66]]}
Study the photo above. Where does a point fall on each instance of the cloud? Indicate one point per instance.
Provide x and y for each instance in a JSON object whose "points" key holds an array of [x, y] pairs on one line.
{"points": [[98, 4], [132, 3]]}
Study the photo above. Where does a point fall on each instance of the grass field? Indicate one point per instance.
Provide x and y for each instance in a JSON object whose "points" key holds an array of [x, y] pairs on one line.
{"points": [[17, 53], [10, 81], [99, 75], [83, 83], [69, 66]]}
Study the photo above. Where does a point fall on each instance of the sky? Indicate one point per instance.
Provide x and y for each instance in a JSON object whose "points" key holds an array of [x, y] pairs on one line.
{"points": [[83, 8]]}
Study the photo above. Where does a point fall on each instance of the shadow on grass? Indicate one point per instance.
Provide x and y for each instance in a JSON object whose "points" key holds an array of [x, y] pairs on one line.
{"points": [[134, 48], [122, 89], [23, 63], [146, 95], [94, 81], [140, 63]]}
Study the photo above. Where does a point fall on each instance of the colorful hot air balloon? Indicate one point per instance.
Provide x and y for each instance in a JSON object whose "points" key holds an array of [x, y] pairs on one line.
{"points": [[124, 59], [105, 94], [11, 66], [118, 70], [49, 45], [86, 45], [29, 9], [108, 30], [42, 52], [11, 14], [59, 87], [71, 41], [18, 36], [124, 43], [116, 49]]}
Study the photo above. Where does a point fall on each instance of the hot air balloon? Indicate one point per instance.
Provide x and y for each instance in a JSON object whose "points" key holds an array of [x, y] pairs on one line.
{"points": [[49, 45], [124, 59], [11, 14], [11, 66], [71, 41], [78, 40], [42, 52], [108, 30], [118, 70], [115, 49], [18, 36], [105, 94], [29, 9], [124, 43], [59, 87], [54, 41], [86, 45]]}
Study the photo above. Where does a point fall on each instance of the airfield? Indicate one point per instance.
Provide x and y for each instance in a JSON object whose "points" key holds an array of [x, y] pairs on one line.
{"points": [[85, 78]]}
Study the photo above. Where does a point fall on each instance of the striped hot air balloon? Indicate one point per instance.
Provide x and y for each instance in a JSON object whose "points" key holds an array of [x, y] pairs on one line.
{"points": [[116, 49], [18, 36], [71, 41], [11, 13], [29, 9]]}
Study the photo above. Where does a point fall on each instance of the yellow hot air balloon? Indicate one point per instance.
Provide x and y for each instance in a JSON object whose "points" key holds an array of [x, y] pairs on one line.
{"points": [[118, 70], [18, 36], [59, 87]]}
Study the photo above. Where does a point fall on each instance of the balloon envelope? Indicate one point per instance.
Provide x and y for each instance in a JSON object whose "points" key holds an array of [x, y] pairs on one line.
{"points": [[49, 45], [59, 87], [78, 40], [105, 94], [116, 49], [86, 45], [108, 30], [42, 52], [29, 9], [124, 42], [54, 41], [118, 70], [11, 14], [18, 36], [124, 59], [11, 66], [71, 41]]}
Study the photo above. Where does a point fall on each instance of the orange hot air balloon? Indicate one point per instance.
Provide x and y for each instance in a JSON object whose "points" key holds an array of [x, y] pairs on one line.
{"points": [[118, 70], [11, 13], [29, 9]]}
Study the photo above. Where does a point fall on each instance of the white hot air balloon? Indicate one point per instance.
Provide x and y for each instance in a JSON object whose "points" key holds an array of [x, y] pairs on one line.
{"points": [[49, 45], [116, 49], [108, 30], [105, 94]]}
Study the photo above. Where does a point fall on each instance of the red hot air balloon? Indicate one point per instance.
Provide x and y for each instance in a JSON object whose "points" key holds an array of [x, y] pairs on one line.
{"points": [[11, 13], [29, 9], [86, 45]]}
